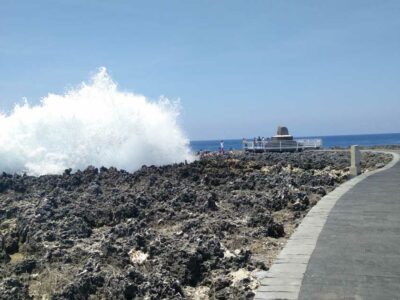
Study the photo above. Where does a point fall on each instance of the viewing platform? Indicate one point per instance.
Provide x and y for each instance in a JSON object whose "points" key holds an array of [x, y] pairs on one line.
{"points": [[281, 142], [282, 146]]}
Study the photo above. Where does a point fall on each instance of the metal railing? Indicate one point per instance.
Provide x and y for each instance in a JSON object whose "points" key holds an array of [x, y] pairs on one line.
{"points": [[293, 145]]}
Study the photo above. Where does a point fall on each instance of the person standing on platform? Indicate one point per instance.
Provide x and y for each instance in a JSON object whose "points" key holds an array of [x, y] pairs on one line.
{"points": [[244, 142]]}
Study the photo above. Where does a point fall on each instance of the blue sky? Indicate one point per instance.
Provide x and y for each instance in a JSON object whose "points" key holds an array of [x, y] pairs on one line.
{"points": [[240, 68]]}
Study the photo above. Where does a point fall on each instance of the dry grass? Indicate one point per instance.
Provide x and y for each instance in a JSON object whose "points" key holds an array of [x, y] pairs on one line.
{"points": [[50, 280], [17, 257]]}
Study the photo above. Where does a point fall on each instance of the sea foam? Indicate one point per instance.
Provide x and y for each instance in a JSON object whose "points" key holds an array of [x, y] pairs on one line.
{"points": [[94, 124]]}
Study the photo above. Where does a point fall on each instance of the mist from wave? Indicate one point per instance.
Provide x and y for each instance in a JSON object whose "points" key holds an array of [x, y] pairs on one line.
{"points": [[92, 124]]}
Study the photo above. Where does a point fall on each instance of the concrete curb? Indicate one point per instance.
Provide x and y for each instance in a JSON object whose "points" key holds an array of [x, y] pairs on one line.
{"points": [[284, 278]]}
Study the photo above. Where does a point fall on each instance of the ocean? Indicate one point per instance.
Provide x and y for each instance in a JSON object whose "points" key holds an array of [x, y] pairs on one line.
{"points": [[327, 141]]}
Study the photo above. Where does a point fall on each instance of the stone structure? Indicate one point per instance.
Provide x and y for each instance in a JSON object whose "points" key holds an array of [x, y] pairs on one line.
{"points": [[282, 134], [282, 131], [355, 168]]}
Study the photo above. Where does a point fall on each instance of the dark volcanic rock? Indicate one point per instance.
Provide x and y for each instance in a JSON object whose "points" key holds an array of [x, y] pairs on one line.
{"points": [[160, 233], [25, 266], [13, 288]]}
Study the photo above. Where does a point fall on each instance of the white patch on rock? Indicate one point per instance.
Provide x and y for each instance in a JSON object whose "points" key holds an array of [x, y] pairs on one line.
{"points": [[241, 274], [290, 169], [228, 254], [137, 256], [197, 293]]}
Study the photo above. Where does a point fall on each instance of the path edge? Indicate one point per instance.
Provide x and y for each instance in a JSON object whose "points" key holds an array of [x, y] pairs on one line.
{"points": [[283, 280]]}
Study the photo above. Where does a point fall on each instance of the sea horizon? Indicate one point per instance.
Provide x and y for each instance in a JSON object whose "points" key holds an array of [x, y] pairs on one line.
{"points": [[328, 141]]}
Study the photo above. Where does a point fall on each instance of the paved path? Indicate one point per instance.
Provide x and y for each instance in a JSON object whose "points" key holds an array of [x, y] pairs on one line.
{"points": [[348, 246], [358, 251]]}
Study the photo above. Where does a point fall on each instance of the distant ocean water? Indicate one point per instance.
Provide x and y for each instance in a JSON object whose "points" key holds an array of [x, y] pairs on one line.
{"points": [[327, 141]]}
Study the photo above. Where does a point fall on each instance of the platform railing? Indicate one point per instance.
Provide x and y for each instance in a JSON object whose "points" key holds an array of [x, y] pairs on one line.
{"points": [[293, 145]]}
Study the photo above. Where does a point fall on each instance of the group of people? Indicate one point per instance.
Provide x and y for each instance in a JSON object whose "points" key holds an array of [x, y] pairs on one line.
{"points": [[221, 150], [256, 141]]}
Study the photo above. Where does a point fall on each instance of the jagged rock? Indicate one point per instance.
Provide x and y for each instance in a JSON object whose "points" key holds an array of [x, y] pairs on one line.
{"points": [[109, 234], [13, 288], [25, 266]]}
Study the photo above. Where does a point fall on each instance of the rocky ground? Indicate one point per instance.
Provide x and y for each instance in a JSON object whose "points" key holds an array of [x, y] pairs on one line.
{"points": [[186, 231], [376, 147]]}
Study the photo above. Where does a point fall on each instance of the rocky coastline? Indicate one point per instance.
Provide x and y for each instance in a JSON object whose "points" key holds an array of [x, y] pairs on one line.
{"points": [[185, 231]]}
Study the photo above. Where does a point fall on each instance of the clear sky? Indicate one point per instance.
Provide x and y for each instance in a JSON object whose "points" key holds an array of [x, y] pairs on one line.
{"points": [[240, 68]]}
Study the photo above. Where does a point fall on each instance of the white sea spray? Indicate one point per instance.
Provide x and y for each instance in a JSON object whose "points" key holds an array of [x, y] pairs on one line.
{"points": [[93, 124]]}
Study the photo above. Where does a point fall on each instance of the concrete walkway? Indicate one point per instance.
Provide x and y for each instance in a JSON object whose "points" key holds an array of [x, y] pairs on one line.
{"points": [[348, 246]]}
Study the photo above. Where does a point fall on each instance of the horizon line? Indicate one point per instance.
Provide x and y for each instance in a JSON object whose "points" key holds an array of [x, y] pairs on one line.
{"points": [[300, 136]]}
